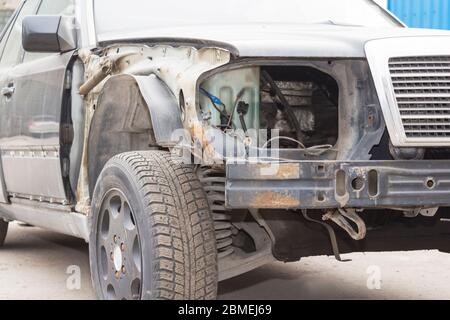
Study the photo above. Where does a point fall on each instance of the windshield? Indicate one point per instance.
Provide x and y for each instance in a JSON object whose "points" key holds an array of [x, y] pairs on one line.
{"points": [[113, 17]]}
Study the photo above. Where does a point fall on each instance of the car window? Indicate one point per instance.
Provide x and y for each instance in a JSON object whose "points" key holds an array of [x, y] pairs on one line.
{"points": [[13, 49], [51, 7]]}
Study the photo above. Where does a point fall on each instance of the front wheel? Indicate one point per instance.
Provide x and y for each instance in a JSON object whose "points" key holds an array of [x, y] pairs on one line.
{"points": [[152, 231], [3, 231]]}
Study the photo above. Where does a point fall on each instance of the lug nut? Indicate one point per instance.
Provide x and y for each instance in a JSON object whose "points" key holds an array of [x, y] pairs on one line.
{"points": [[117, 274], [122, 247], [123, 269], [115, 239]]}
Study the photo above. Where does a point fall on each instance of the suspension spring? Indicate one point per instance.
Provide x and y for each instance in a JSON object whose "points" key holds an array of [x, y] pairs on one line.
{"points": [[213, 181]]}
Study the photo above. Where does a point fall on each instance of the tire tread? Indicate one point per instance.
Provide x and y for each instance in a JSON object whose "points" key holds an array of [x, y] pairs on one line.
{"points": [[185, 259]]}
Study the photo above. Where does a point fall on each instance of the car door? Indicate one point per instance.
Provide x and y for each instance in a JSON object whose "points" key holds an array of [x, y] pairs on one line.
{"points": [[33, 93], [10, 52], [3, 81]]}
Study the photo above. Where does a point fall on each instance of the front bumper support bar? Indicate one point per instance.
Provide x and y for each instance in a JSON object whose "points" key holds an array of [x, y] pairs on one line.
{"points": [[338, 184]]}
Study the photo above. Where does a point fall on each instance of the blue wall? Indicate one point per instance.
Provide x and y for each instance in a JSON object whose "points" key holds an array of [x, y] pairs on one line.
{"points": [[422, 13]]}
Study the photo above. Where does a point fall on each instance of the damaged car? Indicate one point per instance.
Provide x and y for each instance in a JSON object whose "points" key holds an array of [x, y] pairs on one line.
{"points": [[192, 142]]}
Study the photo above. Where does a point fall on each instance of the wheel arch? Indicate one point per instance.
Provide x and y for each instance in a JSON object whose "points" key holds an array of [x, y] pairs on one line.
{"points": [[133, 113]]}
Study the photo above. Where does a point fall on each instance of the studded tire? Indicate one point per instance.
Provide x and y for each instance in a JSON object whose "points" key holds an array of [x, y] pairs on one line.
{"points": [[3, 231], [152, 231]]}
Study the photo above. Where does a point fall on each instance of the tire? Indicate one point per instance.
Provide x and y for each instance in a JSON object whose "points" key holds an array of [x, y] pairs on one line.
{"points": [[150, 214], [3, 231]]}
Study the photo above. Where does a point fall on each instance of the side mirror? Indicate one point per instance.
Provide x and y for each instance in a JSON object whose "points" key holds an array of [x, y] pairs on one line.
{"points": [[48, 34]]}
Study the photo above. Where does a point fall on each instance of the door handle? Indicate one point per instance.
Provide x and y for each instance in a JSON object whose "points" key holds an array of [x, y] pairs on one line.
{"points": [[8, 91]]}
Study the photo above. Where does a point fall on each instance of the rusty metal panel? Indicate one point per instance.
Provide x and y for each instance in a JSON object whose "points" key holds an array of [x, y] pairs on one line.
{"points": [[329, 184]]}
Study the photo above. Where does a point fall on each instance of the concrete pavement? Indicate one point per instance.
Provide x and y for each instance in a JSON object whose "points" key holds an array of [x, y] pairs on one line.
{"points": [[34, 265]]}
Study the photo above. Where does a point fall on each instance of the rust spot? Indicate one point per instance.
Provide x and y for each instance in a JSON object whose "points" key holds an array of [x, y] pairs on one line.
{"points": [[274, 200], [198, 132], [281, 171]]}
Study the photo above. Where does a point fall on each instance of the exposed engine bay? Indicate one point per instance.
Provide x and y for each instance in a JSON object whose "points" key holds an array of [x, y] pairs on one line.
{"points": [[300, 103]]}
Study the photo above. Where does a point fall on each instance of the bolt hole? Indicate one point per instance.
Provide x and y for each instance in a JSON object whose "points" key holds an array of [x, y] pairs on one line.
{"points": [[431, 184], [321, 197], [358, 184]]}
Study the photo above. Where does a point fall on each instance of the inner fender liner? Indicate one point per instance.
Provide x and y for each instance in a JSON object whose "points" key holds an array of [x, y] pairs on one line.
{"points": [[133, 113], [121, 123], [164, 109]]}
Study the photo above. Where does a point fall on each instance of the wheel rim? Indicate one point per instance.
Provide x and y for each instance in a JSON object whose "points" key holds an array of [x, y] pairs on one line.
{"points": [[118, 249]]}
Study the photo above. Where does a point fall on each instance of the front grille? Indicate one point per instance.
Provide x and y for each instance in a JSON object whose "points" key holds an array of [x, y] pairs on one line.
{"points": [[422, 91]]}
